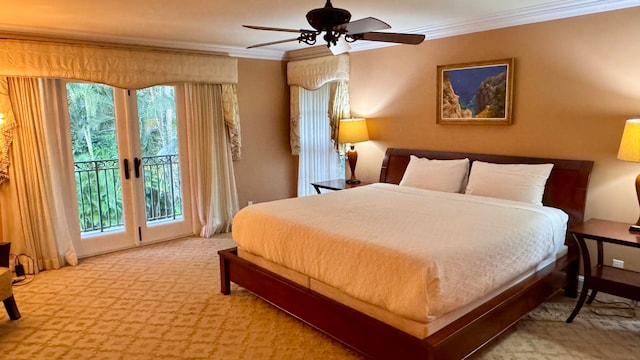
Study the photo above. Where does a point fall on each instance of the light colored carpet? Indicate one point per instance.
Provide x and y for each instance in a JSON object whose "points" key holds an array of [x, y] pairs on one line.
{"points": [[163, 301]]}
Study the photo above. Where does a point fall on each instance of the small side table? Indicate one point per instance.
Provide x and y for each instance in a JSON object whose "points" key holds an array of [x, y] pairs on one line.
{"points": [[615, 281], [336, 184]]}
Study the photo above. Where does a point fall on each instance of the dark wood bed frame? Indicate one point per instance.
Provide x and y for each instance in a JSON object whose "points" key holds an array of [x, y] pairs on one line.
{"points": [[566, 189]]}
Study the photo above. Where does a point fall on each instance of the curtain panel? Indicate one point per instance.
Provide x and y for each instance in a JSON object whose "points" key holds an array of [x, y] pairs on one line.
{"points": [[339, 108], [214, 195], [232, 118], [311, 74], [126, 68], [35, 218]]}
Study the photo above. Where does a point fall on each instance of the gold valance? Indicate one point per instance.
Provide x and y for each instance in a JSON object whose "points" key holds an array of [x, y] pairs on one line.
{"points": [[127, 68], [311, 74]]}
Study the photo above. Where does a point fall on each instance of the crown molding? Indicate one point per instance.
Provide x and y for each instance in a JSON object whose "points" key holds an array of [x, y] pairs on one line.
{"points": [[43, 34], [529, 15]]}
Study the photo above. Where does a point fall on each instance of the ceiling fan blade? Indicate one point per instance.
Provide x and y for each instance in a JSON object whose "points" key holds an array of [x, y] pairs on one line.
{"points": [[412, 39], [272, 43], [275, 29], [363, 25]]}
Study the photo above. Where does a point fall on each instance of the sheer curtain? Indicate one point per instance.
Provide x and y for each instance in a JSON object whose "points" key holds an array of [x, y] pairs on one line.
{"points": [[214, 197], [318, 159], [63, 199]]}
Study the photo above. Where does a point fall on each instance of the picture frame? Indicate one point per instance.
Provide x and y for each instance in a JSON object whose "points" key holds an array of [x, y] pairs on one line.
{"points": [[476, 93]]}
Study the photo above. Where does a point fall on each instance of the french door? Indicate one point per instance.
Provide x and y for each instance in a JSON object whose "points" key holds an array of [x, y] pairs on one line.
{"points": [[129, 163]]}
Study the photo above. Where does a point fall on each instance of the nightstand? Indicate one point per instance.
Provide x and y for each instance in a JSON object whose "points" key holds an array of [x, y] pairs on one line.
{"points": [[336, 184], [615, 281]]}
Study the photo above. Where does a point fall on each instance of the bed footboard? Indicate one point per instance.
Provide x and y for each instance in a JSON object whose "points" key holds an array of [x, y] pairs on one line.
{"points": [[378, 340]]}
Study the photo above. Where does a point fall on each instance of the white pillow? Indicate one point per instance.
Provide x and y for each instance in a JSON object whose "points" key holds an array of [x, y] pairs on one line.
{"points": [[439, 175], [519, 182]]}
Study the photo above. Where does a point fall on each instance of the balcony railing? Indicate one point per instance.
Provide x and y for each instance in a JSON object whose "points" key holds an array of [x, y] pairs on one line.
{"points": [[99, 192], [162, 187]]}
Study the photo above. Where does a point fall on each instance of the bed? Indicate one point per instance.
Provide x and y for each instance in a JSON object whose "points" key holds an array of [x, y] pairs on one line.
{"points": [[380, 335]]}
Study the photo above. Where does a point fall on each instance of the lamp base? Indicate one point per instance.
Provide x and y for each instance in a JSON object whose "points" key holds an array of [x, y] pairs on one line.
{"points": [[352, 156]]}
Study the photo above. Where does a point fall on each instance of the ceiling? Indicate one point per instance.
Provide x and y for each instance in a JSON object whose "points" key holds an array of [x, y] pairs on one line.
{"points": [[216, 25]]}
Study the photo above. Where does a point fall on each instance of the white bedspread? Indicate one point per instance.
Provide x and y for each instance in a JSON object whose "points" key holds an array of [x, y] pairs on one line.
{"points": [[414, 252]]}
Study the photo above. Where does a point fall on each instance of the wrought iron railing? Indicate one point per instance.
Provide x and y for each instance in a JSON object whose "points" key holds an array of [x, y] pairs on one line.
{"points": [[162, 187], [99, 192]]}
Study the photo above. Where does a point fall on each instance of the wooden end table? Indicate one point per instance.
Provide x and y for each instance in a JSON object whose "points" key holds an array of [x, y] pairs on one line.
{"points": [[614, 281], [335, 184]]}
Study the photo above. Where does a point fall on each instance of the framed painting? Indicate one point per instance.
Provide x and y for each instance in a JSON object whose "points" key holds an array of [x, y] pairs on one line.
{"points": [[475, 93]]}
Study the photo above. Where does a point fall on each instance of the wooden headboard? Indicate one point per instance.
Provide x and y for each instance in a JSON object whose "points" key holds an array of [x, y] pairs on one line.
{"points": [[566, 187]]}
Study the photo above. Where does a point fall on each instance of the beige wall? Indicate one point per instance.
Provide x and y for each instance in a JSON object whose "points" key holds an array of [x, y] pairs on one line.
{"points": [[576, 81], [267, 170]]}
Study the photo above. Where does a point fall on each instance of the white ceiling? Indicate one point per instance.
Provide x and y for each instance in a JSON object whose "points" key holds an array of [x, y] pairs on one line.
{"points": [[216, 25]]}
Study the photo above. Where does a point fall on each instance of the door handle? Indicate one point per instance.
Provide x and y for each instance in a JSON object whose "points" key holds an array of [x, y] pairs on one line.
{"points": [[126, 169], [136, 166]]}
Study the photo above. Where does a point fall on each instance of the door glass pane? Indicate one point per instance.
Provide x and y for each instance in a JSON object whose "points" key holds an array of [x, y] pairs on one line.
{"points": [[95, 156], [160, 155]]}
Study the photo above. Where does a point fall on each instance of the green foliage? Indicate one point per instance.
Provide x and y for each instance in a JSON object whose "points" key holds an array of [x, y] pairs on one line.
{"points": [[157, 119], [159, 143], [92, 118], [95, 152]]}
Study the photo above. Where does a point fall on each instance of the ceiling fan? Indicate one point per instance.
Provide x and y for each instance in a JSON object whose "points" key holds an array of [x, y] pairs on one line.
{"points": [[335, 23]]}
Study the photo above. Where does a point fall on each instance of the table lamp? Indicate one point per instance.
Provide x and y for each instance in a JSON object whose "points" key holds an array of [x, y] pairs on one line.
{"points": [[630, 151], [353, 131]]}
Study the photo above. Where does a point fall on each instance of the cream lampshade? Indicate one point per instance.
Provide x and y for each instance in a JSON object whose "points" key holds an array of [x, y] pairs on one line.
{"points": [[630, 151], [353, 131]]}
